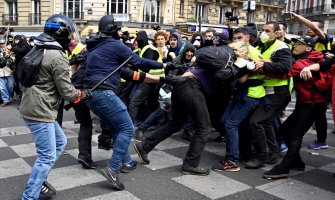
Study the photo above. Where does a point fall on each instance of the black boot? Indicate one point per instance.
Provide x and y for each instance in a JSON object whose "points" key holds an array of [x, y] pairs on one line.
{"points": [[187, 134], [105, 142]]}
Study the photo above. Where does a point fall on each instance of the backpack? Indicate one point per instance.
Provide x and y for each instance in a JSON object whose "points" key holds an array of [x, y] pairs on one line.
{"points": [[29, 67], [213, 58]]}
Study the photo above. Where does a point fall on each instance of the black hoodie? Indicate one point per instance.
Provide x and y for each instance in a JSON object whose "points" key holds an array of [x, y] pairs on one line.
{"points": [[142, 41], [20, 49]]}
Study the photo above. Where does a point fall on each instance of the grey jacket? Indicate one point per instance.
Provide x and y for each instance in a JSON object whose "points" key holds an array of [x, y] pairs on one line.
{"points": [[41, 101]]}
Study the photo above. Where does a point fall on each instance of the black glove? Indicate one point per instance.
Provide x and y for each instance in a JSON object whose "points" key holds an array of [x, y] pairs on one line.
{"points": [[77, 59], [87, 94], [170, 66]]}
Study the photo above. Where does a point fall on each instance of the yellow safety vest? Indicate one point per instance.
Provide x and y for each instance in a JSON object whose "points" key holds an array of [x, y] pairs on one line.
{"points": [[79, 47], [135, 51], [321, 47], [156, 72], [269, 81], [256, 91]]}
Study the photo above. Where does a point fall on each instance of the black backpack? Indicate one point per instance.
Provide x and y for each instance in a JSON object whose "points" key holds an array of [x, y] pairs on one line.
{"points": [[213, 58], [29, 67]]}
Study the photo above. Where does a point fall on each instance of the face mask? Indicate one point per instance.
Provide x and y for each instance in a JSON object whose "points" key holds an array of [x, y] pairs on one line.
{"points": [[196, 43], [264, 37]]}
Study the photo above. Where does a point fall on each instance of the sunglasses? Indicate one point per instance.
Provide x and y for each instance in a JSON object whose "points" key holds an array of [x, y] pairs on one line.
{"points": [[198, 39]]}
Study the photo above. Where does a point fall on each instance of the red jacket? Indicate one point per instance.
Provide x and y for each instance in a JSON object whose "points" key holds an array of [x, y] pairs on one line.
{"points": [[304, 88]]}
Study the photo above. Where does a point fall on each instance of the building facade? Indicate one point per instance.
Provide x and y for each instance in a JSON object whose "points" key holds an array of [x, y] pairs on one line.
{"points": [[314, 10], [31, 14]]}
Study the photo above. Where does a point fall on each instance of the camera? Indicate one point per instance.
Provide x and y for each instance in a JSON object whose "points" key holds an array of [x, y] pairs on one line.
{"points": [[230, 17]]}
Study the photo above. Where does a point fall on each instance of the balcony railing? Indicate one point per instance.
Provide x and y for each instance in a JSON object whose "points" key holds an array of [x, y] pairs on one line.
{"points": [[74, 15], [272, 2], [34, 18], [322, 9], [11, 19]]}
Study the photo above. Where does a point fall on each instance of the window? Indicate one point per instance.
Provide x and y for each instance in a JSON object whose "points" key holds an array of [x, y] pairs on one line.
{"points": [[11, 15], [181, 8], [35, 16], [222, 17], [201, 12], [333, 4], [269, 17], [151, 11], [293, 6], [117, 6], [74, 9]]}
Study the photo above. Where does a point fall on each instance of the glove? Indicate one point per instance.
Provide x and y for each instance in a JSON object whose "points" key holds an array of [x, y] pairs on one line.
{"points": [[77, 59], [170, 66], [87, 94], [7, 56]]}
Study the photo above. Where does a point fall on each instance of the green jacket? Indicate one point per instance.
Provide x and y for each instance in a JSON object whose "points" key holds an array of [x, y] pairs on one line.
{"points": [[41, 101]]}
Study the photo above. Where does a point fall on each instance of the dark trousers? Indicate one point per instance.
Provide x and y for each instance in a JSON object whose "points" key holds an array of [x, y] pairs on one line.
{"points": [[82, 113], [142, 93], [295, 127], [187, 99], [321, 128], [261, 122]]}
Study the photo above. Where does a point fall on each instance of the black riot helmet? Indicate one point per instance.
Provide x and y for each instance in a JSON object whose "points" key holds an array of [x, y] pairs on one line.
{"points": [[62, 29], [108, 26]]}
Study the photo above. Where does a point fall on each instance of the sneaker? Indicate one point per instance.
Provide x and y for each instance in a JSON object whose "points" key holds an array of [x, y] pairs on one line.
{"points": [[318, 145], [276, 173], [254, 163], [47, 191], [227, 165], [113, 178], [141, 153], [87, 163], [200, 171], [4, 104], [126, 168], [283, 148]]}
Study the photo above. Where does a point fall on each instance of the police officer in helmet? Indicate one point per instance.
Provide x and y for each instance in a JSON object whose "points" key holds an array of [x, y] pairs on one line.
{"points": [[106, 53]]}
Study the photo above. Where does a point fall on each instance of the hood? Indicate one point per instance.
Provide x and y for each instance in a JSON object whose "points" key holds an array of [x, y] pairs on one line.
{"points": [[315, 56], [187, 47], [46, 40], [180, 43], [142, 35]]}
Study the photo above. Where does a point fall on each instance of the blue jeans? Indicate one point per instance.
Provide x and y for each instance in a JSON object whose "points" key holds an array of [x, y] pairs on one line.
{"points": [[237, 111], [152, 119], [114, 114], [6, 87], [50, 142]]}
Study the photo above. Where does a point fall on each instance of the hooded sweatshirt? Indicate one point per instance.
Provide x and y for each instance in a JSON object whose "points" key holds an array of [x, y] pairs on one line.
{"points": [[304, 88], [177, 50]]}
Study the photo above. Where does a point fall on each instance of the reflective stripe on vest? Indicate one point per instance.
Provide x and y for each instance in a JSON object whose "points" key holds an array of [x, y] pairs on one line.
{"points": [[256, 91], [277, 45], [156, 72]]}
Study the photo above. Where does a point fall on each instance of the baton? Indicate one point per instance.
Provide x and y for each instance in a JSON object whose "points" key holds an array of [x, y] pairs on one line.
{"points": [[68, 106], [109, 75]]}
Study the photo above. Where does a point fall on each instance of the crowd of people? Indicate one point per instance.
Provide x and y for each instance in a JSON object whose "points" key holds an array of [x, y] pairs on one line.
{"points": [[217, 88]]}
